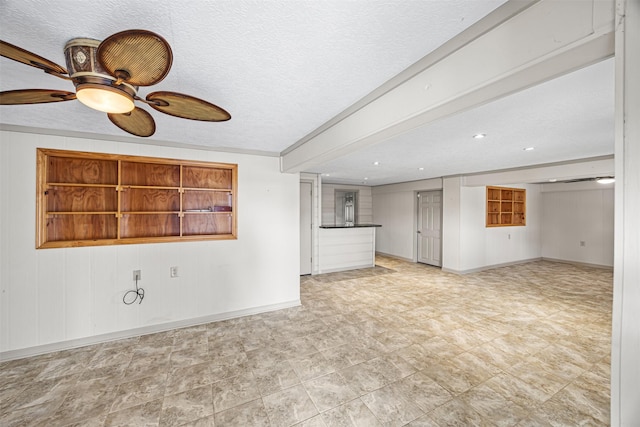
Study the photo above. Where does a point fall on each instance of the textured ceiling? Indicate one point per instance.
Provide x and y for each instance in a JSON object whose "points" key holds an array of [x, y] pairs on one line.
{"points": [[569, 118], [282, 68]]}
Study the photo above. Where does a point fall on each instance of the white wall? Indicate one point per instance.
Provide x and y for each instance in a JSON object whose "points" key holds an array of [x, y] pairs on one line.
{"points": [[346, 248], [625, 340], [365, 208], [467, 243], [482, 246], [394, 207], [559, 216], [315, 181], [53, 296], [571, 216]]}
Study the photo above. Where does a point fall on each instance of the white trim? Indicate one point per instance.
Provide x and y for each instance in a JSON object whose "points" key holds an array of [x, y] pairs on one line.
{"points": [[489, 267], [394, 256], [507, 264], [135, 140], [578, 263], [625, 339], [145, 330], [316, 219], [336, 270]]}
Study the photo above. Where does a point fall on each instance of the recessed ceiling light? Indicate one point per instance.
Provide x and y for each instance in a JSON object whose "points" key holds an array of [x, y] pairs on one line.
{"points": [[479, 135], [529, 148], [420, 169], [365, 178], [376, 163], [326, 174], [552, 180]]}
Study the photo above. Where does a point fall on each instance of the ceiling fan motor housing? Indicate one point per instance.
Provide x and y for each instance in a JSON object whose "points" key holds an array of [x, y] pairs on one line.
{"points": [[86, 72]]}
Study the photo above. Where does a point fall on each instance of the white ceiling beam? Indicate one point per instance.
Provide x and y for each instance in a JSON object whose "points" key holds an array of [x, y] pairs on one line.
{"points": [[519, 45], [589, 168]]}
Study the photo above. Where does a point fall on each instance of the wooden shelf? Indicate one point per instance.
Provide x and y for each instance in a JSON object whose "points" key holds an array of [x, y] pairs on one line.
{"points": [[82, 213], [68, 184], [80, 227], [149, 174], [153, 199], [104, 199], [506, 207], [206, 224], [195, 176], [147, 187], [219, 190]]}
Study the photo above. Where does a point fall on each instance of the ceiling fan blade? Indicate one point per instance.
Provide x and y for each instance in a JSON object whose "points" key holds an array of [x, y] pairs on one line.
{"points": [[18, 54], [187, 107], [137, 122], [34, 96], [139, 57]]}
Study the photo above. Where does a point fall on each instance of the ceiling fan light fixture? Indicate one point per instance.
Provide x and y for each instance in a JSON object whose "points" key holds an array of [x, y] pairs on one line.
{"points": [[107, 74], [606, 180], [107, 99]]}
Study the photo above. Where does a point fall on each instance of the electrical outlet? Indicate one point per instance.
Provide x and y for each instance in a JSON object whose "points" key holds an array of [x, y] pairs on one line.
{"points": [[137, 275], [173, 271]]}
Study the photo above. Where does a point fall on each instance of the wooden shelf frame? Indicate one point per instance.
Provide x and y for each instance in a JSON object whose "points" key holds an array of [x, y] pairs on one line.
{"points": [[506, 207], [75, 205]]}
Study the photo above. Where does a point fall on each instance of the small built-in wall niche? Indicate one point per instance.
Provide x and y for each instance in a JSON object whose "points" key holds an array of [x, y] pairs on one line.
{"points": [[90, 199], [506, 206]]}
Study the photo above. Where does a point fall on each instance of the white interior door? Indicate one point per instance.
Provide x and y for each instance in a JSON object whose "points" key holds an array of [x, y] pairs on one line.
{"points": [[430, 227], [306, 213]]}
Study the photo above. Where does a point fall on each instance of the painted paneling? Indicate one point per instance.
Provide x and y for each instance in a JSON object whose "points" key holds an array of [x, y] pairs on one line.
{"points": [[571, 217], [451, 218], [625, 341], [395, 212], [482, 246], [467, 243], [50, 296], [346, 248], [394, 207], [556, 223], [365, 206]]}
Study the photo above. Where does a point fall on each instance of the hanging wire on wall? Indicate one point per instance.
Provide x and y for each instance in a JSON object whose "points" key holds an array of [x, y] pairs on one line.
{"points": [[132, 296]]}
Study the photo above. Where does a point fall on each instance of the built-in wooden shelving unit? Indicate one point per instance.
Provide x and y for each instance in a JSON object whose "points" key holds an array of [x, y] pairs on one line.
{"points": [[87, 199], [506, 206]]}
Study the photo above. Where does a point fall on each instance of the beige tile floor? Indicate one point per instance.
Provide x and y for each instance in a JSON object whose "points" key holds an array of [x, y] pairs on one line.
{"points": [[398, 344]]}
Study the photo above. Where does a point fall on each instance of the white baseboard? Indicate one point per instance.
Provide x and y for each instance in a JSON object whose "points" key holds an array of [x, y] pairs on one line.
{"points": [[145, 330], [489, 267], [401, 258], [584, 264], [354, 267]]}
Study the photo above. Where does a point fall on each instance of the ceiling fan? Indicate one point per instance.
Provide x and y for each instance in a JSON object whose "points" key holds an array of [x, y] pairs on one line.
{"points": [[107, 76], [599, 180]]}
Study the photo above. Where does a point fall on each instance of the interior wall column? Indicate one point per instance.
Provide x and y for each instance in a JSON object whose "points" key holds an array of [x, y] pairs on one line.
{"points": [[625, 344], [451, 224]]}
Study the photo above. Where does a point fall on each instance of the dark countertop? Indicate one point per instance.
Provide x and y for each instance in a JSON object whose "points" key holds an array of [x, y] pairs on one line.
{"points": [[351, 226]]}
